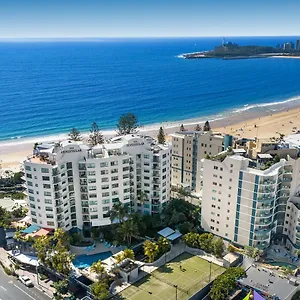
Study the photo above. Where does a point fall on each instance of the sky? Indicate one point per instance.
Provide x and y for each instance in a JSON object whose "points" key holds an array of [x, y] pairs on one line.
{"points": [[148, 18]]}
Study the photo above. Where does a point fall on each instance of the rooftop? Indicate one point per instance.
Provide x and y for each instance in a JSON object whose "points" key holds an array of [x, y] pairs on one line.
{"points": [[267, 282]]}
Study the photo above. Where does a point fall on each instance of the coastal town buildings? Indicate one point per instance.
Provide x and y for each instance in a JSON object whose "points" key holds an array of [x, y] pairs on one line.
{"points": [[249, 205], [71, 184], [188, 148], [298, 44], [288, 46]]}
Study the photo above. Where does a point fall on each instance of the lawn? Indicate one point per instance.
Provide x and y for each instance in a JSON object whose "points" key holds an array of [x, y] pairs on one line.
{"points": [[190, 277]]}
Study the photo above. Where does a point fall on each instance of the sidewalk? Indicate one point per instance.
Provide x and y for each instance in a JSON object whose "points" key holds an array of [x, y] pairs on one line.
{"points": [[42, 286]]}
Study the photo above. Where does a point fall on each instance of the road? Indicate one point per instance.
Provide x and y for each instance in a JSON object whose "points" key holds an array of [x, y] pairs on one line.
{"points": [[12, 289]]}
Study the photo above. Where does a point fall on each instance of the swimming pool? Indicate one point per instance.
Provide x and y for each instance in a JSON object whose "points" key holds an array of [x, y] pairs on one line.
{"points": [[85, 261], [282, 264]]}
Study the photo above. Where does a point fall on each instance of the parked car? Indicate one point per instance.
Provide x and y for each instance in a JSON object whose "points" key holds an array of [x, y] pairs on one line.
{"points": [[25, 280]]}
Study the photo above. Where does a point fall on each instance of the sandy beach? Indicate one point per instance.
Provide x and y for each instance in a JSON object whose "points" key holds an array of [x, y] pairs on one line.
{"points": [[12, 153]]}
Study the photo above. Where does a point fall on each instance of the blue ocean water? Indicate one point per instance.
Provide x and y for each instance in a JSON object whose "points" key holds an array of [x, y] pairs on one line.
{"points": [[48, 87]]}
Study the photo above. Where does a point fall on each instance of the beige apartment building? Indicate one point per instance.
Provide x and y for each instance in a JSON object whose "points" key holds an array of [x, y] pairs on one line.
{"points": [[188, 148]]}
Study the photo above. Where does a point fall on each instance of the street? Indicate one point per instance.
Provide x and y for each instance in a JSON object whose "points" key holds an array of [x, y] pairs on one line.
{"points": [[12, 289]]}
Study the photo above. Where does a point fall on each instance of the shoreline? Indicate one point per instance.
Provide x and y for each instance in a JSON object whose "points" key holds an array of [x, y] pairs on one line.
{"points": [[242, 123]]}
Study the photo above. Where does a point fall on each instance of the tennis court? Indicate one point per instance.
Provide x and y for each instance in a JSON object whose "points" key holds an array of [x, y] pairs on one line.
{"points": [[189, 273]]}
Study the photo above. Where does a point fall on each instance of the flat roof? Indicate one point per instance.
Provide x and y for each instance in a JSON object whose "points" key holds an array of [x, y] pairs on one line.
{"points": [[174, 236], [267, 282], [264, 155], [166, 232]]}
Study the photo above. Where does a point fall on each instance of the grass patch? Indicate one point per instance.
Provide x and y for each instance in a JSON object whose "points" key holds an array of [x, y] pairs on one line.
{"points": [[190, 277]]}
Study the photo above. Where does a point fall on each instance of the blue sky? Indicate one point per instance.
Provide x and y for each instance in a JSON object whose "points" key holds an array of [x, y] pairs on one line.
{"points": [[148, 18]]}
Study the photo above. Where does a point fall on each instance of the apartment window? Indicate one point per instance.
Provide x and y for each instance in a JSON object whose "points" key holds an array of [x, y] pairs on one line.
{"points": [[213, 198], [228, 203], [114, 178], [105, 201], [125, 161], [213, 206], [212, 228], [31, 198], [69, 165], [164, 156], [214, 191], [48, 201], [93, 202], [230, 179], [105, 194], [48, 208], [92, 188], [29, 183], [115, 185], [126, 190], [220, 184], [221, 169], [32, 205], [215, 167], [92, 195], [114, 163], [91, 173], [33, 213], [93, 209], [49, 216], [34, 220], [46, 178], [229, 187], [104, 164], [229, 195], [214, 183], [105, 208], [146, 177], [215, 175], [105, 179], [62, 166], [228, 211], [212, 220], [105, 187], [230, 171], [231, 166], [30, 191], [90, 165], [27, 168], [227, 218], [227, 225], [46, 186], [94, 217], [28, 175], [49, 223], [44, 170], [113, 171]]}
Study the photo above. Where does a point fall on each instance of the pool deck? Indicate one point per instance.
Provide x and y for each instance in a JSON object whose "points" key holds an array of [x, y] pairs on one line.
{"points": [[99, 248]]}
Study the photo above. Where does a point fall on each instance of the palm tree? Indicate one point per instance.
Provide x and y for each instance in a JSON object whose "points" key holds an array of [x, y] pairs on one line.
{"points": [[127, 253], [118, 212], [128, 229], [98, 268], [151, 250], [163, 245]]}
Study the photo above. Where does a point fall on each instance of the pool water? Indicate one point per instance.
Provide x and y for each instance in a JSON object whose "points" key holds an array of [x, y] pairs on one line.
{"points": [[85, 261], [282, 264]]}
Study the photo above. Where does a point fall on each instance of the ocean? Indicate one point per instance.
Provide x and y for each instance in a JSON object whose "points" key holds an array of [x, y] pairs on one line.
{"points": [[49, 86]]}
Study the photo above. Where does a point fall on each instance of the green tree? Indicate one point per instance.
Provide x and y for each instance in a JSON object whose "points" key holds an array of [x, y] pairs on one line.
{"points": [[75, 135], [5, 217], [98, 268], [60, 260], [218, 246], [206, 126], [225, 283], [61, 238], [186, 227], [119, 212], [181, 128], [198, 128], [61, 287], [163, 245], [205, 241], [42, 246], [287, 270], [96, 136], [161, 136], [127, 253], [19, 212], [127, 124], [100, 290], [151, 250], [128, 230]]}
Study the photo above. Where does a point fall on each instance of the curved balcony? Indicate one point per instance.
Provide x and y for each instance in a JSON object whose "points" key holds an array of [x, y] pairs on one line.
{"points": [[265, 198], [263, 231], [264, 222], [262, 237], [298, 235], [262, 245], [264, 214], [265, 206], [267, 181]]}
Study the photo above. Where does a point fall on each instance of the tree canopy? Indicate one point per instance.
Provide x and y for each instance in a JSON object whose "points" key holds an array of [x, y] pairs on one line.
{"points": [[206, 126], [127, 124], [75, 135], [100, 290], [161, 136], [96, 136], [225, 283]]}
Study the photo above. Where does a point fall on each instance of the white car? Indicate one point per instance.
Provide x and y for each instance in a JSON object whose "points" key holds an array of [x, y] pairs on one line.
{"points": [[25, 280]]}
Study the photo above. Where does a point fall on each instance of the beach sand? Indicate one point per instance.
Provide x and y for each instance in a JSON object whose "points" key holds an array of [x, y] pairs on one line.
{"points": [[12, 153]]}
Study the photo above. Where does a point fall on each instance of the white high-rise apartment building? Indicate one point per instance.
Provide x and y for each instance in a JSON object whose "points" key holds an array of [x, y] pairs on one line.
{"points": [[70, 184], [188, 148], [248, 206]]}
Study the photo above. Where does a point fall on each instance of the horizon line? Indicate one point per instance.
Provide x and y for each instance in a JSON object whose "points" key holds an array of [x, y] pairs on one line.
{"points": [[137, 37]]}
